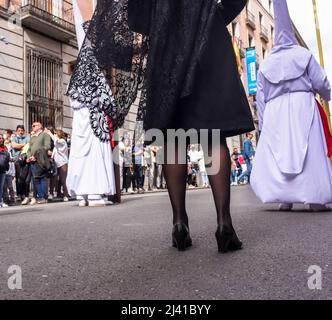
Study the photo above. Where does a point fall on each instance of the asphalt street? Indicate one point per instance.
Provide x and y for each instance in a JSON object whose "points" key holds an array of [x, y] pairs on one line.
{"points": [[124, 251]]}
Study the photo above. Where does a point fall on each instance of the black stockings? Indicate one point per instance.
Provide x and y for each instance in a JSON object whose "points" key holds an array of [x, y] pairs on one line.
{"points": [[220, 182], [176, 176], [176, 180]]}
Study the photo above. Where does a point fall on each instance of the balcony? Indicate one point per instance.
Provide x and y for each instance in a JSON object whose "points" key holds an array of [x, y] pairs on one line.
{"points": [[42, 16], [241, 48], [250, 20], [264, 34]]}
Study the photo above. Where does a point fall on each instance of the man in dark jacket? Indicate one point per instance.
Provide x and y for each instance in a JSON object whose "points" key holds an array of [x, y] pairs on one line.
{"points": [[40, 143]]}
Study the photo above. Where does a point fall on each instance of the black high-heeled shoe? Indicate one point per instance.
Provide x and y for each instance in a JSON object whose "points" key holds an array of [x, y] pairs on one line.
{"points": [[227, 239], [181, 237]]}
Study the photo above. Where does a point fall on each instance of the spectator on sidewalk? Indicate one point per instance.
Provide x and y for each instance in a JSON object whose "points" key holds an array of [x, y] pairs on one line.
{"points": [[236, 158], [60, 156], [127, 161], [138, 151], [9, 134], [161, 184], [19, 142], [148, 167], [8, 189], [154, 164], [40, 144], [233, 172], [202, 169], [248, 155], [4, 167], [53, 180]]}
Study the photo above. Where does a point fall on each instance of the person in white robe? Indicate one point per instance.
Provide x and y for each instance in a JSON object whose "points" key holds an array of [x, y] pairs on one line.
{"points": [[90, 168], [291, 163]]}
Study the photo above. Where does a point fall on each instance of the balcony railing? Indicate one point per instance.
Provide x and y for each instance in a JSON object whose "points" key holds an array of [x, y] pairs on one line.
{"points": [[264, 34], [250, 20], [44, 17], [240, 45]]}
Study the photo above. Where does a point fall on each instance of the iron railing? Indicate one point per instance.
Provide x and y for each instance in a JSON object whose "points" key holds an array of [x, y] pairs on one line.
{"points": [[44, 88], [46, 111], [264, 33], [58, 13], [250, 20]]}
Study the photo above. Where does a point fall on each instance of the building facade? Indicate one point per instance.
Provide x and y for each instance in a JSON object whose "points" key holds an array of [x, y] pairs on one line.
{"points": [[253, 28], [37, 51]]}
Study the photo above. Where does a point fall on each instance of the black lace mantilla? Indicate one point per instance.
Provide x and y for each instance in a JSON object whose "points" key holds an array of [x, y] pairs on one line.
{"points": [[108, 83], [147, 46], [94, 93]]}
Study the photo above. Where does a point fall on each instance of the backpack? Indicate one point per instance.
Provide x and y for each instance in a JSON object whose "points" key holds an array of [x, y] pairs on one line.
{"points": [[4, 161]]}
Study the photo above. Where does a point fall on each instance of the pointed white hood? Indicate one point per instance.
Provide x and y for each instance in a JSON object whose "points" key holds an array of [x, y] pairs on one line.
{"points": [[288, 60], [80, 34], [284, 32]]}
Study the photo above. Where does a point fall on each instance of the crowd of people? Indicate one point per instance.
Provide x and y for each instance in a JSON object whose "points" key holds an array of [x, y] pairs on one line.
{"points": [[33, 167], [141, 167]]}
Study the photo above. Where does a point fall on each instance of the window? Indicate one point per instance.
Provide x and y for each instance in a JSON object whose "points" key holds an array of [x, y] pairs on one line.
{"points": [[51, 6], [235, 30], [44, 88], [56, 7], [260, 19], [251, 41], [271, 6], [264, 53], [272, 34]]}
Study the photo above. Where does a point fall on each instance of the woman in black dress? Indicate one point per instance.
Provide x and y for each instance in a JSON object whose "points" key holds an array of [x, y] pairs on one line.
{"points": [[178, 54]]}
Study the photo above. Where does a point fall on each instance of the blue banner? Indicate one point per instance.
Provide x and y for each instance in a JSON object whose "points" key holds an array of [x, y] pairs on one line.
{"points": [[251, 61]]}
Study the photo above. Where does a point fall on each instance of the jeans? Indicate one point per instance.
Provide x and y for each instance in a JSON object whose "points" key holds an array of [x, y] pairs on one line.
{"points": [[233, 176], [205, 178], [39, 183], [138, 175], [2, 182], [247, 173], [8, 190]]}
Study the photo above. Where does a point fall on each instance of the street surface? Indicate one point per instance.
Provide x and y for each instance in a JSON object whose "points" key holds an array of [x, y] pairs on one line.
{"points": [[124, 251]]}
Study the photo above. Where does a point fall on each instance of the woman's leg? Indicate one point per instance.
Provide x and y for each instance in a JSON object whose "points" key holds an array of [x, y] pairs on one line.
{"points": [[127, 178], [220, 182], [11, 189], [226, 237], [176, 178], [2, 182], [63, 177], [124, 178]]}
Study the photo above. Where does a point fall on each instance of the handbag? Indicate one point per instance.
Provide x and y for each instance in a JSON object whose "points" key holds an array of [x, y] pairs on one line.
{"points": [[53, 170]]}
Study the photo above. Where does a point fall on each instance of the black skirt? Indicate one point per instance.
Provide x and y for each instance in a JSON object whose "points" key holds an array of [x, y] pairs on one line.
{"points": [[184, 65], [219, 100]]}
